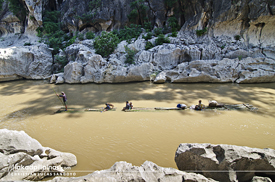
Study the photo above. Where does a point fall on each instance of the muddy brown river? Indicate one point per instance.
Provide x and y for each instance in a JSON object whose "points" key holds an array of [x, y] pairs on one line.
{"points": [[99, 139]]}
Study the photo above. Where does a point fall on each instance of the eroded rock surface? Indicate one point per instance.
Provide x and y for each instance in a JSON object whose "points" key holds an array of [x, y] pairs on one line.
{"points": [[226, 162], [24, 158], [147, 172]]}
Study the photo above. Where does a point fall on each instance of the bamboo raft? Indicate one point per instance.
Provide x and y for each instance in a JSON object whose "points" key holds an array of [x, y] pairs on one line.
{"points": [[75, 110], [140, 109], [168, 108], [239, 107], [244, 106], [99, 109]]}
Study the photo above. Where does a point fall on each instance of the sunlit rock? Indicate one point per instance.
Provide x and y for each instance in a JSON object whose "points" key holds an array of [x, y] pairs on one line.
{"points": [[140, 73], [148, 171], [73, 72], [23, 157], [209, 159], [31, 62]]}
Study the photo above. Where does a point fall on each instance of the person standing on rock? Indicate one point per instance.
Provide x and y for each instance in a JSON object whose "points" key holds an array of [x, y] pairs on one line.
{"points": [[63, 95]]}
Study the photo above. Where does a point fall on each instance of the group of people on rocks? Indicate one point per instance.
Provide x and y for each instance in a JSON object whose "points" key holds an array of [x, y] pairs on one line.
{"points": [[129, 105]]}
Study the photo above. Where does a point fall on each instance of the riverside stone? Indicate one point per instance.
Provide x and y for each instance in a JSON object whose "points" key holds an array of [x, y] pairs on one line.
{"points": [[222, 162], [73, 72], [31, 62], [22, 157], [148, 171]]}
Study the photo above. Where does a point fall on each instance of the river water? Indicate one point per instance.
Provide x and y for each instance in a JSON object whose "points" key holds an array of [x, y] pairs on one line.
{"points": [[100, 139]]}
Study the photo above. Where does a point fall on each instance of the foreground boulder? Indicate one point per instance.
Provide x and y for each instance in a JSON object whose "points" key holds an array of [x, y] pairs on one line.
{"points": [[24, 158], [148, 171], [226, 162]]}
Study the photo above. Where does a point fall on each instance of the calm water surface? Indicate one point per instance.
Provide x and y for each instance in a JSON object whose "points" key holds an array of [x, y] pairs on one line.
{"points": [[100, 139]]}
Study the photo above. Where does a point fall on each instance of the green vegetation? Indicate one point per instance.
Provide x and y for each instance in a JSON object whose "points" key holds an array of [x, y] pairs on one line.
{"points": [[147, 26], [89, 16], [27, 44], [174, 34], [61, 60], [1, 4], [90, 35], [128, 33], [148, 36], [162, 39], [17, 8], [158, 31], [237, 37], [106, 43], [148, 45], [240, 57], [81, 36], [130, 55], [52, 34], [138, 14], [173, 23], [170, 3], [201, 32]]}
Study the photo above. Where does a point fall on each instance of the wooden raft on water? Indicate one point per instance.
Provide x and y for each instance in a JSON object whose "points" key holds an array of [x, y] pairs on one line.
{"points": [[74, 110], [239, 107], [244, 106]]}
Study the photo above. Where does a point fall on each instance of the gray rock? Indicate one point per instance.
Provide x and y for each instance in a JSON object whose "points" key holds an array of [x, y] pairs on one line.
{"points": [[260, 179], [60, 80], [140, 73], [256, 70], [148, 171], [73, 72], [161, 77], [22, 157], [32, 62], [222, 162]]}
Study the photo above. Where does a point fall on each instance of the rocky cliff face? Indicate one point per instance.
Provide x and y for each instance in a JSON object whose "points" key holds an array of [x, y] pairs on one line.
{"points": [[238, 46]]}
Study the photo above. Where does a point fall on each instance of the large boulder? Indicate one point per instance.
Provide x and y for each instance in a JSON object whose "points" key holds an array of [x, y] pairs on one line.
{"points": [[225, 162], [139, 73], [73, 72], [31, 62], [23, 157], [248, 70], [148, 171]]}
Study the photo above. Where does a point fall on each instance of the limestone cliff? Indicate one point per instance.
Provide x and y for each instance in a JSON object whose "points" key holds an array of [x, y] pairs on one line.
{"points": [[234, 30]]}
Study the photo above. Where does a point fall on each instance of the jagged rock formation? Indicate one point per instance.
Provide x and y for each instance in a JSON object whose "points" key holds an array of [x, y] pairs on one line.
{"points": [[148, 171], [226, 162], [202, 60], [24, 158], [31, 62], [215, 57]]}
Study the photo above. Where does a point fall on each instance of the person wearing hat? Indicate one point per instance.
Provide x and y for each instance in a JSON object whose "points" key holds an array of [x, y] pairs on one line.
{"points": [[108, 106], [63, 95]]}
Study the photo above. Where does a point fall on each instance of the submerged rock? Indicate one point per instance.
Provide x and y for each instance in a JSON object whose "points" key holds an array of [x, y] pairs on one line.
{"points": [[225, 162]]}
